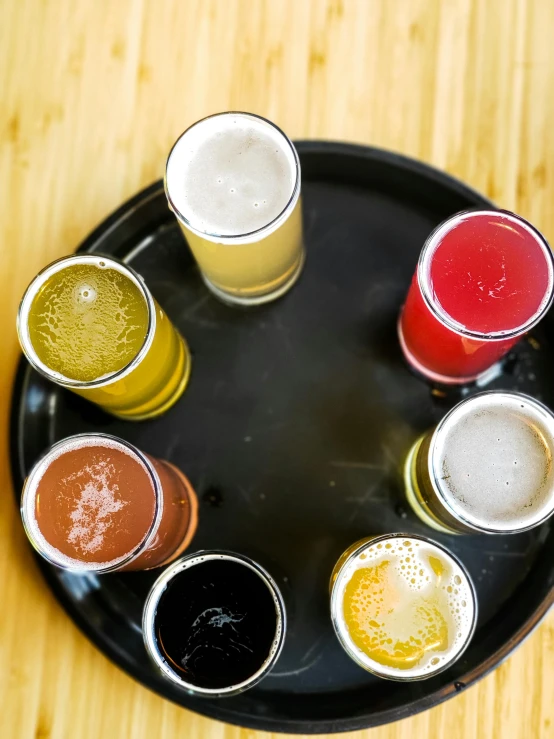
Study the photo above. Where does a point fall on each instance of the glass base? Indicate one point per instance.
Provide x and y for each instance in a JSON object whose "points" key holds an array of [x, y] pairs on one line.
{"points": [[174, 397], [193, 523], [481, 380], [231, 299], [411, 495]]}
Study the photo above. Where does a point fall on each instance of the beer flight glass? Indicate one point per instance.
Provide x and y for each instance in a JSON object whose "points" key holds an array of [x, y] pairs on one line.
{"points": [[484, 278], [95, 503], [486, 468], [214, 623], [90, 324], [233, 182], [402, 606]]}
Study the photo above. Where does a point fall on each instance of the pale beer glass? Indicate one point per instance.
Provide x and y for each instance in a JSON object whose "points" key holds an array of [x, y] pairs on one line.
{"points": [[486, 468], [233, 182]]}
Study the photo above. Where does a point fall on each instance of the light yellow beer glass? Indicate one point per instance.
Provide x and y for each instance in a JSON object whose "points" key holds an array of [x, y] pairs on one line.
{"points": [[233, 182], [89, 323], [402, 606]]}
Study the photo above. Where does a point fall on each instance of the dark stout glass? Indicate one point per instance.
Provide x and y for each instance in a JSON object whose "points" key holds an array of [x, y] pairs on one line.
{"points": [[215, 624]]}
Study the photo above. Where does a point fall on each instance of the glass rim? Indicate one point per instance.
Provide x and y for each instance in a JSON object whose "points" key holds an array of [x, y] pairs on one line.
{"points": [[159, 587], [434, 475], [426, 288], [335, 604], [249, 236], [30, 293], [28, 498]]}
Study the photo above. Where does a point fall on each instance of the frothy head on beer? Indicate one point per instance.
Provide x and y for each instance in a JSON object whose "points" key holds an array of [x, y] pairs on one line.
{"points": [[403, 607], [492, 461], [231, 174]]}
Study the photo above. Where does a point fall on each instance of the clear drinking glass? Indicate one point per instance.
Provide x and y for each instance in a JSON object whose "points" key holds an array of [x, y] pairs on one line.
{"points": [[484, 278], [486, 468], [233, 182], [402, 606], [95, 503], [151, 381], [233, 612]]}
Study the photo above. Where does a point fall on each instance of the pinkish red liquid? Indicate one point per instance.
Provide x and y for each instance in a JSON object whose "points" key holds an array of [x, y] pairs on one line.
{"points": [[489, 274]]}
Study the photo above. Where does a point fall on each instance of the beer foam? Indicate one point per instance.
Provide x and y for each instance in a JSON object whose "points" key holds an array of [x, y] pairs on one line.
{"points": [[231, 174], [264, 576], [90, 537], [151, 609], [403, 607], [492, 461]]}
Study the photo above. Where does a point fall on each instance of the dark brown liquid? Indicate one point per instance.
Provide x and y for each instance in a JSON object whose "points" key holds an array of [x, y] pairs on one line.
{"points": [[216, 623], [178, 522], [95, 504]]}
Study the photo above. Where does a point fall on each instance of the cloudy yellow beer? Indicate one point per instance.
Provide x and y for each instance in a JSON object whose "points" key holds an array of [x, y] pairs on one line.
{"points": [[90, 324], [402, 606], [233, 181]]}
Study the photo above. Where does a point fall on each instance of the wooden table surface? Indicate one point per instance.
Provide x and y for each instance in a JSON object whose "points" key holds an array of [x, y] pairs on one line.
{"points": [[93, 93]]}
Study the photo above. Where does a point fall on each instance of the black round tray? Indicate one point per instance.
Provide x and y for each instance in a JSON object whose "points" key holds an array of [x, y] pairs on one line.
{"points": [[293, 431]]}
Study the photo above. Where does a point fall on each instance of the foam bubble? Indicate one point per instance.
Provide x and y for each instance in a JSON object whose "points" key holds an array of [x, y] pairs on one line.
{"points": [[493, 459], [398, 622], [231, 174], [90, 519], [104, 501]]}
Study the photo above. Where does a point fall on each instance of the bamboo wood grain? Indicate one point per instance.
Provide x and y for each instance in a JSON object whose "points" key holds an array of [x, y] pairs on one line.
{"points": [[92, 94]]}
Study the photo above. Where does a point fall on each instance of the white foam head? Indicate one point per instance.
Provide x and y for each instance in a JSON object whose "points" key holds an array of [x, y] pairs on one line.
{"points": [[32, 483], [232, 174], [412, 583], [491, 461]]}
